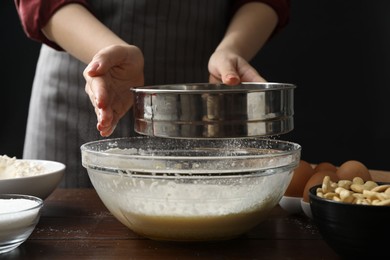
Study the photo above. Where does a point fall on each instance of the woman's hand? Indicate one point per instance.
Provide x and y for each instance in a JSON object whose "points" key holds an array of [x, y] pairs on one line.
{"points": [[249, 29], [231, 69], [109, 77], [113, 65]]}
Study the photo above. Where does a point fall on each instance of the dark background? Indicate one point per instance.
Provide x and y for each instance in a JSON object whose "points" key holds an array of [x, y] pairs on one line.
{"points": [[18, 56], [336, 52]]}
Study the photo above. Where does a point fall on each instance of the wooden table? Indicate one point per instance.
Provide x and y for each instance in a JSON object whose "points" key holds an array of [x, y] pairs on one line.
{"points": [[76, 225]]}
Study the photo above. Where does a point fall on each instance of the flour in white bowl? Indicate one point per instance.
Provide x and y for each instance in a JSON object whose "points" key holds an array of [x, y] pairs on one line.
{"points": [[13, 168]]}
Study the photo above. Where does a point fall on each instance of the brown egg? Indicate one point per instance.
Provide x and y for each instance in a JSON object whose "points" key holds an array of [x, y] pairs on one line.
{"points": [[351, 169], [301, 175], [325, 166], [316, 179]]}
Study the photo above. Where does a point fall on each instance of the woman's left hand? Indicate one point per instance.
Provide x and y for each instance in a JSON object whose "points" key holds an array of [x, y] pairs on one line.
{"points": [[231, 69]]}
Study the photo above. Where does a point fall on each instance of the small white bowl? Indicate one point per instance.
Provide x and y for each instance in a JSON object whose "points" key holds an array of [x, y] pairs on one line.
{"points": [[39, 185], [306, 208], [19, 215], [291, 204]]}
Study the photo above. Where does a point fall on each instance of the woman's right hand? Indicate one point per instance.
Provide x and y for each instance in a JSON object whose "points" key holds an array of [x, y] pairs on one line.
{"points": [[109, 77]]}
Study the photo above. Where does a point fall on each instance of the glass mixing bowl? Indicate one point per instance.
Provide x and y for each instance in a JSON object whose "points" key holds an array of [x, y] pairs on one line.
{"points": [[187, 189]]}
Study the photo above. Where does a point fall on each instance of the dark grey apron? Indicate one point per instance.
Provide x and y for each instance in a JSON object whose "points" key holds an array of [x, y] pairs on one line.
{"points": [[177, 38]]}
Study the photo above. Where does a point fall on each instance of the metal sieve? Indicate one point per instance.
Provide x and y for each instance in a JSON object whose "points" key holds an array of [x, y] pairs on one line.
{"points": [[214, 110]]}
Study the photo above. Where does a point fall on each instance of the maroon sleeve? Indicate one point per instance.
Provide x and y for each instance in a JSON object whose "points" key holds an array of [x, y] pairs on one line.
{"points": [[281, 7], [35, 14]]}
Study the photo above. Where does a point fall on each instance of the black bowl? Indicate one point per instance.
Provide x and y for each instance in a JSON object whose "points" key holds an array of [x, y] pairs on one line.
{"points": [[353, 231]]}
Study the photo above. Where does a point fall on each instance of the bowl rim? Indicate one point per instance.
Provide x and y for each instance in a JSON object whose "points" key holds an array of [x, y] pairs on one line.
{"points": [[85, 148], [291, 198], [313, 196], [95, 156], [201, 88], [39, 201]]}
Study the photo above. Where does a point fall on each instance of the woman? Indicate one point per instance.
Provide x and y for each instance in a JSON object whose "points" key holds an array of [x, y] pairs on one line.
{"points": [[129, 44]]}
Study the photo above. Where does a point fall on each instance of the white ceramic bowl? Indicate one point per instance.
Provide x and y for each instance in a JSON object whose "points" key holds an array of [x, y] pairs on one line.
{"points": [[306, 208], [19, 215], [291, 204], [40, 185]]}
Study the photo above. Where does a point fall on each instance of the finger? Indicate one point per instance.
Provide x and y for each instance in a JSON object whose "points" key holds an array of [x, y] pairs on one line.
{"points": [[107, 132], [98, 111], [99, 91], [92, 69], [228, 73], [105, 119], [89, 85], [231, 79], [90, 94], [252, 75], [108, 129]]}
